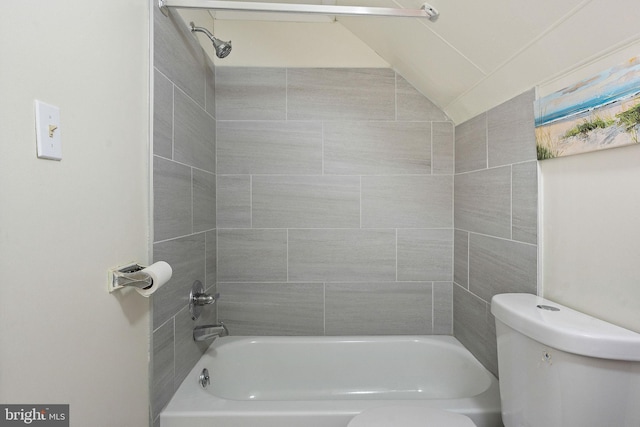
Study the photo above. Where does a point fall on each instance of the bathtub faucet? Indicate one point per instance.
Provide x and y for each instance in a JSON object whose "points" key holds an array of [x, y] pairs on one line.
{"points": [[210, 332]]}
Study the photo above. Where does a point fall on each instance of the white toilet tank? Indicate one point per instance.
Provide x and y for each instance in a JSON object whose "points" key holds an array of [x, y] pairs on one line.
{"points": [[562, 368]]}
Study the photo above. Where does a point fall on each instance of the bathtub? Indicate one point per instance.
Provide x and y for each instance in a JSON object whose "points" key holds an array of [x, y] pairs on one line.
{"points": [[326, 381]]}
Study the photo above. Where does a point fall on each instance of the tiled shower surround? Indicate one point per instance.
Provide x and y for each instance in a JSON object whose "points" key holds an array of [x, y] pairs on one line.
{"points": [[495, 218], [321, 202], [334, 203], [184, 205]]}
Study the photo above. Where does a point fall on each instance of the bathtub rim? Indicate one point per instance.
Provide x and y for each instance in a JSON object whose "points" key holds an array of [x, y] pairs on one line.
{"points": [[445, 344], [191, 401]]}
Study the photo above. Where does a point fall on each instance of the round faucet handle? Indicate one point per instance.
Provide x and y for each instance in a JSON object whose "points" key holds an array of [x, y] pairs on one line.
{"points": [[199, 298], [204, 299]]}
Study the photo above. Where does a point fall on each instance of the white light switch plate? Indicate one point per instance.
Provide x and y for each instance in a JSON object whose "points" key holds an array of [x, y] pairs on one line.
{"points": [[48, 139]]}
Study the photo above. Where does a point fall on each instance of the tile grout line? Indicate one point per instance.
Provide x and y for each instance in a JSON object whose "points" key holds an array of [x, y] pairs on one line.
{"points": [[468, 259], [173, 120], [192, 201], [511, 202]]}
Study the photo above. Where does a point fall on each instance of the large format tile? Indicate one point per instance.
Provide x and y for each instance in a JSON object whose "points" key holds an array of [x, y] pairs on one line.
{"points": [[234, 201], [306, 201], [272, 308], [443, 308], [186, 256], [377, 148], [510, 130], [425, 255], [162, 116], [162, 369], [443, 142], [461, 258], [474, 326], [204, 201], [194, 140], [497, 266], [378, 308], [211, 258], [342, 255], [483, 201], [178, 55], [471, 144], [407, 201], [525, 202], [252, 255], [171, 199], [210, 87], [260, 147], [412, 105], [341, 94], [248, 93]]}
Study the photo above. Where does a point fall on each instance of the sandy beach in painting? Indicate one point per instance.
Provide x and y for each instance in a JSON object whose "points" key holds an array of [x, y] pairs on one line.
{"points": [[553, 139]]}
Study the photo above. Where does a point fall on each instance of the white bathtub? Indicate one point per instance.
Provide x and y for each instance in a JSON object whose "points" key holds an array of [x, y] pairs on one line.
{"points": [[326, 381]]}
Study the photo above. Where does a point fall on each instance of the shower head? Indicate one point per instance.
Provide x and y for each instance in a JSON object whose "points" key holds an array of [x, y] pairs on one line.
{"points": [[222, 48]]}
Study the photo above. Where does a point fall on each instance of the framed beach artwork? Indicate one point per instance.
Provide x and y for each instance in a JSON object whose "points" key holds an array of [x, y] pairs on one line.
{"points": [[594, 114]]}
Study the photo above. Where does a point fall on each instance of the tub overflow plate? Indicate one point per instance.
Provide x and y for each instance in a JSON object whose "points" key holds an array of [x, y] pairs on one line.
{"points": [[204, 379]]}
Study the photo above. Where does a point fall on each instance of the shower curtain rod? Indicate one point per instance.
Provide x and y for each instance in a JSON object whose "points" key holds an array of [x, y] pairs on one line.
{"points": [[426, 11]]}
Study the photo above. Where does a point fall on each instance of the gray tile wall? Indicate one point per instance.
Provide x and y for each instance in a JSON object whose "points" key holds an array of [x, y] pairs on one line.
{"points": [[495, 219], [334, 204], [184, 210]]}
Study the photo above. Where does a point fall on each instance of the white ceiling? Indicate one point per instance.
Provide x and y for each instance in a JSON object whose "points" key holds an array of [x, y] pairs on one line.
{"points": [[481, 53]]}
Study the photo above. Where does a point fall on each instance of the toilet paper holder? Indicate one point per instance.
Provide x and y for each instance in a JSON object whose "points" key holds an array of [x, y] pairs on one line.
{"points": [[145, 280], [130, 275]]}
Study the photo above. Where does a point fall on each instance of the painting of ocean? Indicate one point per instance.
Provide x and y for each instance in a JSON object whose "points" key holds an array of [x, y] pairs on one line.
{"points": [[594, 114]]}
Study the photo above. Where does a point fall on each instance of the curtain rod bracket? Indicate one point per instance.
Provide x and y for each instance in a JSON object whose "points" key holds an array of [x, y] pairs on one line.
{"points": [[431, 11], [163, 8]]}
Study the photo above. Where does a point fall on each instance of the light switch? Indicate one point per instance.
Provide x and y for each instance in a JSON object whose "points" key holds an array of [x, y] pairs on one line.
{"points": [[48, 139]]}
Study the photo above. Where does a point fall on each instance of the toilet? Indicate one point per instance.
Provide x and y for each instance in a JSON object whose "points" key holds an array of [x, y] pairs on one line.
{"points": [[409, 416], [558, 368], [562, 368]]}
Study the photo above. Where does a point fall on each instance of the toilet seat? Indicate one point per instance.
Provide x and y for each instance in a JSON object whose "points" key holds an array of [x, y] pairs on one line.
{"points": [[409, 416]]}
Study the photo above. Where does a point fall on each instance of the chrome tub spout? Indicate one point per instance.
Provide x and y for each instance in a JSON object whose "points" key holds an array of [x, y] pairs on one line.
{"points": [[209, 332]]}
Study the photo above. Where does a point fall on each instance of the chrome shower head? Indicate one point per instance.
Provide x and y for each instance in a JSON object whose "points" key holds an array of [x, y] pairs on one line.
{"points": [[223, 49]]}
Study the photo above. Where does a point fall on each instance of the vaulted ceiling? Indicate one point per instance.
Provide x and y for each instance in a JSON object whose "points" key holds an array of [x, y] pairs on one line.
{"points": [[478, 53]]}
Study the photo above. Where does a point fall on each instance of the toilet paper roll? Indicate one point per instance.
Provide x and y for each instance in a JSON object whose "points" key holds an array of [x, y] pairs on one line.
{"points": [[160, 272]]}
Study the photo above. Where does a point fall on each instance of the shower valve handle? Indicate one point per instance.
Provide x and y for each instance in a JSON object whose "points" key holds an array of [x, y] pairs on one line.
{"points": [[199, 298], [204, 299]]}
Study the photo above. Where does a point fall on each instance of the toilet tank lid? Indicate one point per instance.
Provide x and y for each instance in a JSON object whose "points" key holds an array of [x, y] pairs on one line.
{"points": [[565, 329]]}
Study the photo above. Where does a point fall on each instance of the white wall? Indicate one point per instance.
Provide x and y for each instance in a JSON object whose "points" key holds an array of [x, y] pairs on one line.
{"points": [[294, 44], [63, 337], [591, 233], [259, 43]]}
